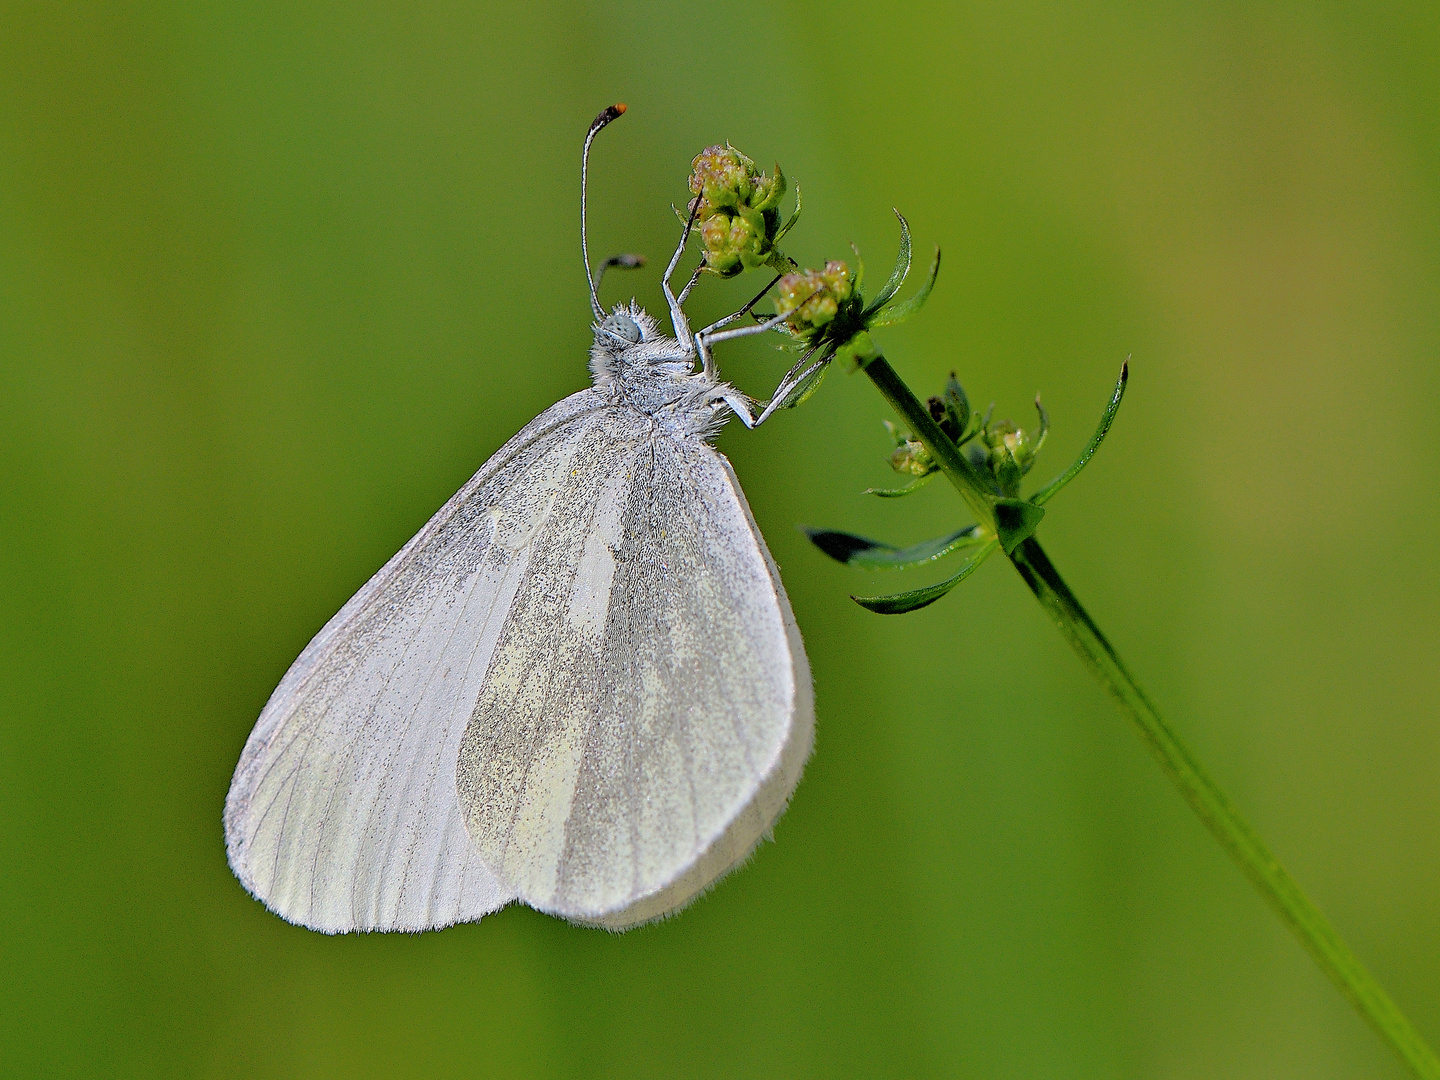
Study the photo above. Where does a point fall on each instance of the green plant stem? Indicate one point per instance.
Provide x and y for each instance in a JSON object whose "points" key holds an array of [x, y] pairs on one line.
{"points": [[1220, 816], [1207, 800]]}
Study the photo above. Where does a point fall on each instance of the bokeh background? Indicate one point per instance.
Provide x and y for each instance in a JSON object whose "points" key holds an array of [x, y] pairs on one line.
{"points": [[275, 278]]}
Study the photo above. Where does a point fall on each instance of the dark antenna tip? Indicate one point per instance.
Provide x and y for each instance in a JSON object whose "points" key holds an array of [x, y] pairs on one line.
{"points": [[618, 262], [609, 113]]}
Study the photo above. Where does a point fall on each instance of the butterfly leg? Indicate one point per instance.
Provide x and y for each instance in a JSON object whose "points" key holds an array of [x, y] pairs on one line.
{"points": [[708, 337], [728, 319], [677, 313], [742, 406], [702, 337], [685, 292], [787, 386], [739, 404], [711, 337]]}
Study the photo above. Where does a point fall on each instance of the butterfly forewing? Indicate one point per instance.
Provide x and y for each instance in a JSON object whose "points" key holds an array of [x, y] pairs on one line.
{"points": [[343, 813]]}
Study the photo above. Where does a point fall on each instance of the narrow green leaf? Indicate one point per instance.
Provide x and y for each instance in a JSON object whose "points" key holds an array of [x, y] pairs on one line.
{"points": [[1016, 520], [903, 310], [958, 405], [909, 489], [794, 218], [808, 384], [900, 603], [1046, 493], [858, 281], [870, 554], [841, 546], [897, 276]]}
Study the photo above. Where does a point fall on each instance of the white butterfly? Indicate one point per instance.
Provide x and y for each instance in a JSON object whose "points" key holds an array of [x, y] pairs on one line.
{"points": [[580, 685]]}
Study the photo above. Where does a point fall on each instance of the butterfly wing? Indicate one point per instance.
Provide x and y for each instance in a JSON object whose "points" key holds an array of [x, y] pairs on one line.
{"points": [[342, 814], [615, 785]]}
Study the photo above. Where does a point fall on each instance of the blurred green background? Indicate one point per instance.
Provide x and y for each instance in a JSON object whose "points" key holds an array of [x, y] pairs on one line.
{"points": [[275, 278]]}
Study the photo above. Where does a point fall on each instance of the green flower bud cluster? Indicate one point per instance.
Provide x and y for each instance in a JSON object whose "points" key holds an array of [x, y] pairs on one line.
{"points": [[827, 311], [812, 298], [1007, 452], [738, 211], [909, 456]]}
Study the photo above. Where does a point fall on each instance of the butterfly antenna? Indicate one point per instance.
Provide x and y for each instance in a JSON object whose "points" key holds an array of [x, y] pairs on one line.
{"points": [[618, 262], [613, 112]]}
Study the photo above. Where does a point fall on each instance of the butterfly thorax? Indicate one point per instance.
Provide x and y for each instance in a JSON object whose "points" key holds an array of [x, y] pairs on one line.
{"points": [[636, 366]]}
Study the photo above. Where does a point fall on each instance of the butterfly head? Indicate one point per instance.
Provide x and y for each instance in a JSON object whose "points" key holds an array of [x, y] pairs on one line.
{"points": [[630, 348], [620, 327]]}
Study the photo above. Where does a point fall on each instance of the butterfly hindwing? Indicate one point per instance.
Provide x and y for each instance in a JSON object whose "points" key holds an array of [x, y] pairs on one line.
{"points": [[648, 711]]}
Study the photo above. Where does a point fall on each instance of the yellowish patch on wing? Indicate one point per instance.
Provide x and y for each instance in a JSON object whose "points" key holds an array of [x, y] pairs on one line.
{"points": [[590, 598]]}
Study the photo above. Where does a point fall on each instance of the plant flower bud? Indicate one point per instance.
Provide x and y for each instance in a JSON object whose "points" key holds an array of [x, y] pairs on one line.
{"points": [[737, 208], [912, 459], [813, 298], [1010, 451]]}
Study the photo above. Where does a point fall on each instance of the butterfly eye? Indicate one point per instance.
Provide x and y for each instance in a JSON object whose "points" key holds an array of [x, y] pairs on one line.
{"points": [[622, 326]]}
